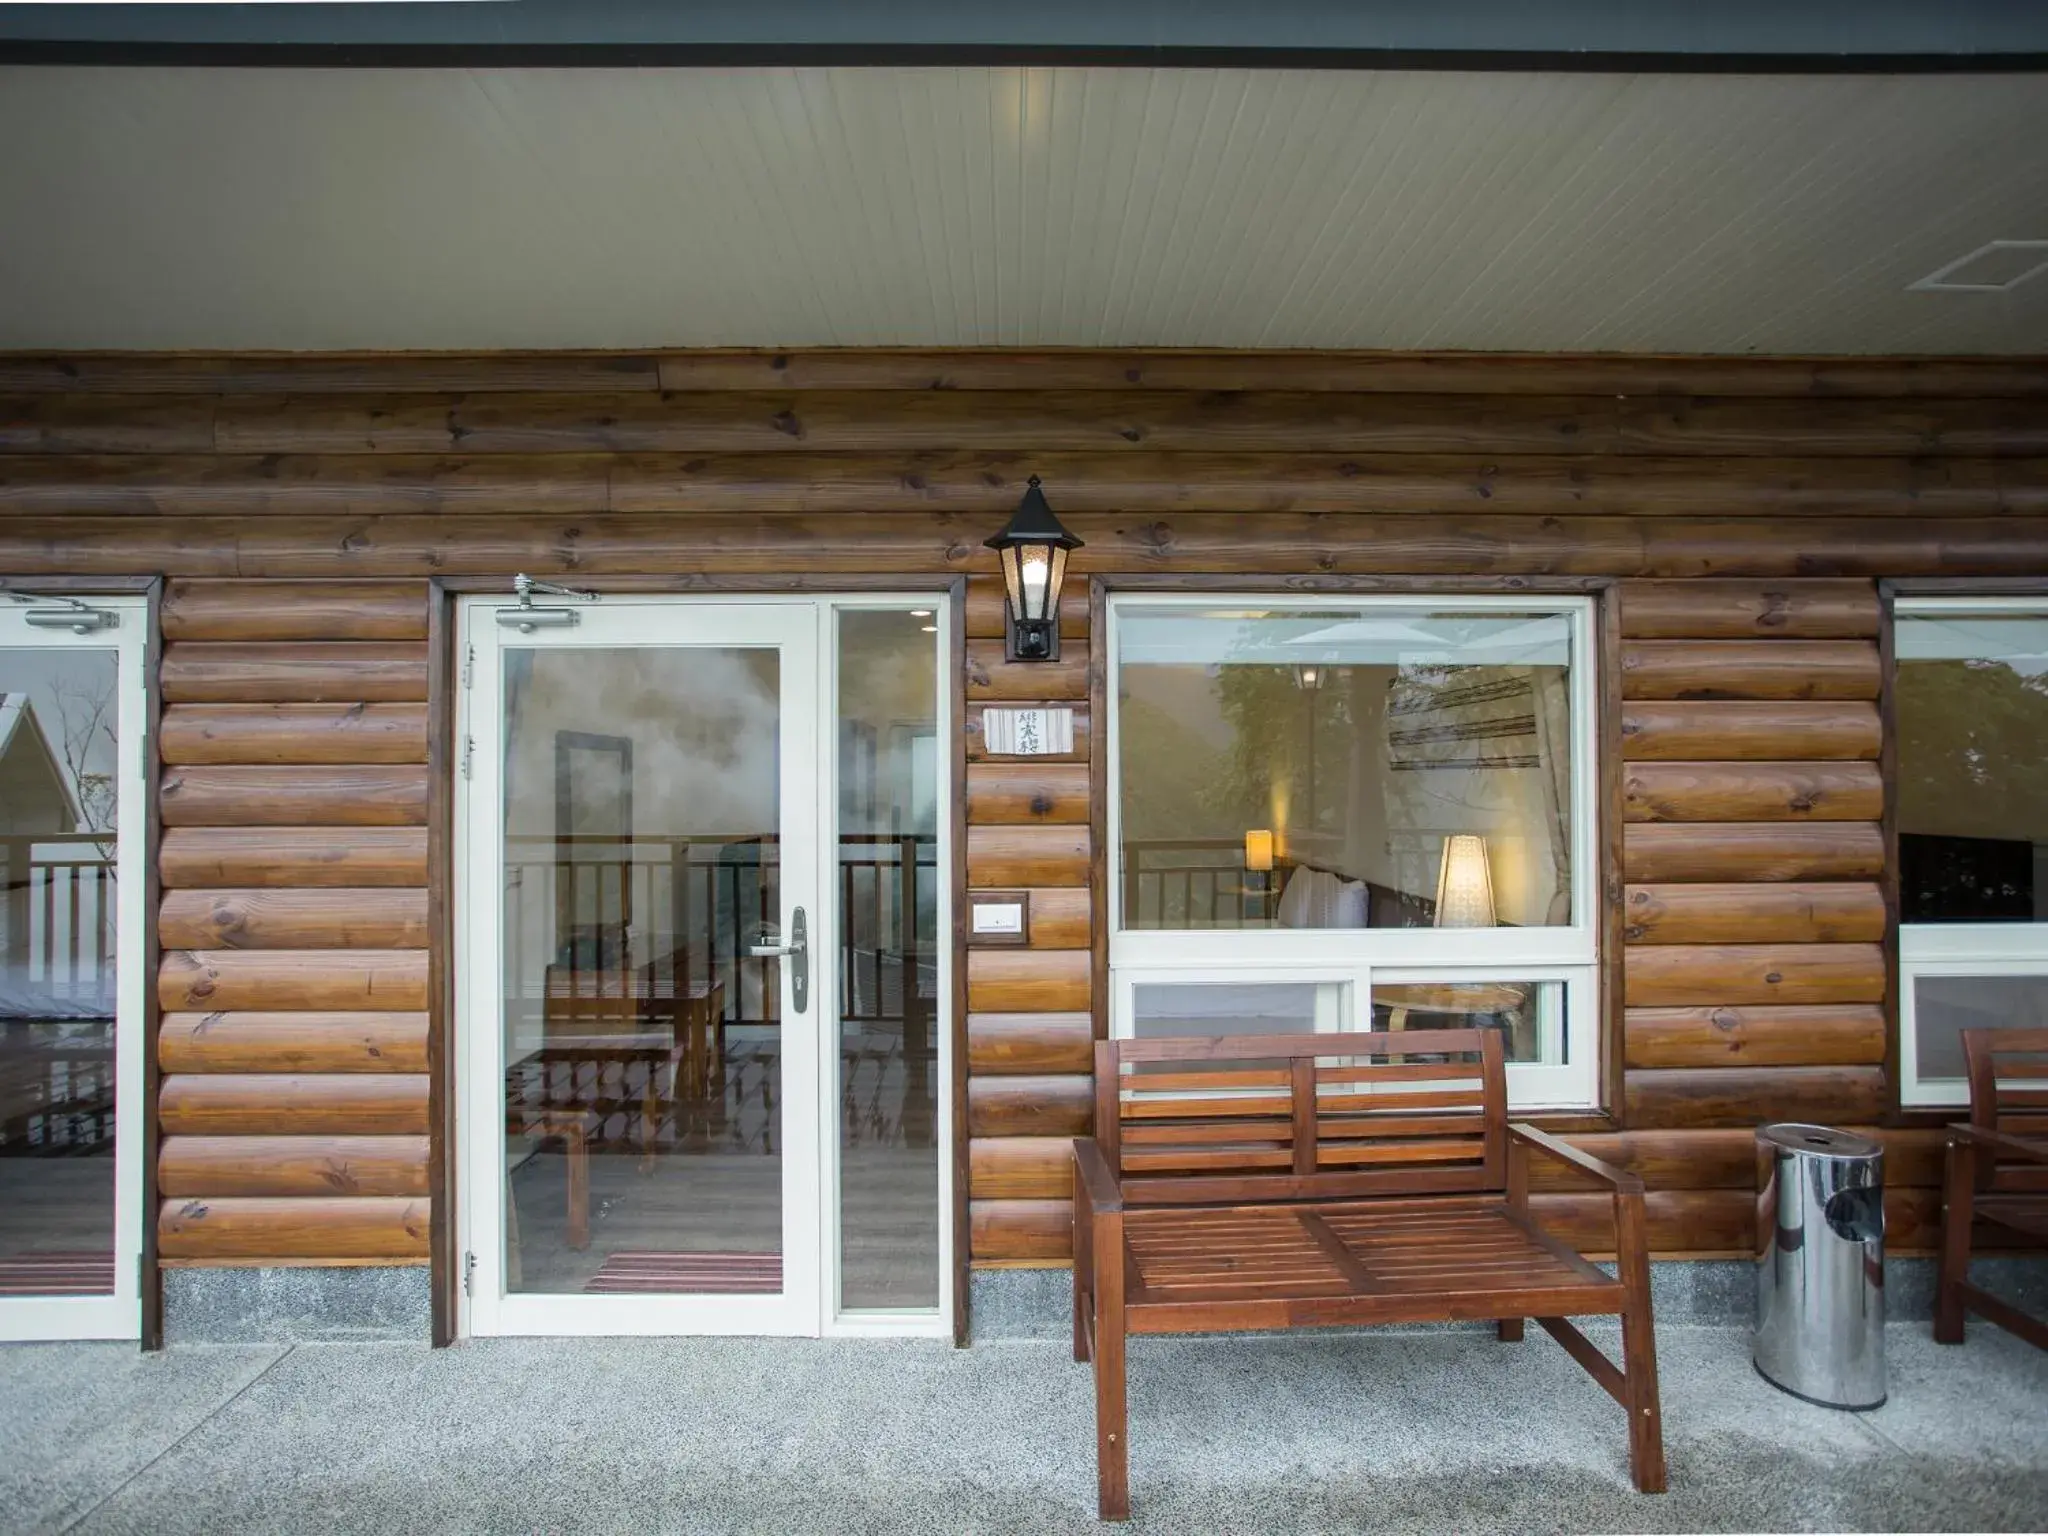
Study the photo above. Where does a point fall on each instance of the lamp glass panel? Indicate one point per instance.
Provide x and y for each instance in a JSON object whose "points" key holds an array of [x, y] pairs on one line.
{"points": [[1058, 581], [1012, 584], [1425, 724], [1034, 574]]}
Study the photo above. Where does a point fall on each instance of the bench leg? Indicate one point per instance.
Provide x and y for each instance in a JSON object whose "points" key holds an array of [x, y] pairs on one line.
{"points": [[1084, 1262], [1510, 1328], [1958, 1201], [1084, 1300], [1639, 1349], [1112, 1410]]}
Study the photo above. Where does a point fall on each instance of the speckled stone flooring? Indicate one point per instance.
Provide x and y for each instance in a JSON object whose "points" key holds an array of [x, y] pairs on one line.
{"points": [[1425, 1432]]}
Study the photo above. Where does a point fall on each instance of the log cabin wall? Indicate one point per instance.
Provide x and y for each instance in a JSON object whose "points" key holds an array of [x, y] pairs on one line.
{"points": [[294, 1097], [1031, 1012], [301, 505], [1753, 973]]}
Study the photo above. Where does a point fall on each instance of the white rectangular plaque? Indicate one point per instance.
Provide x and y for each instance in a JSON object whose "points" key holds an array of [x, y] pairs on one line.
{"points": [[999, 917], [1040, 731]]}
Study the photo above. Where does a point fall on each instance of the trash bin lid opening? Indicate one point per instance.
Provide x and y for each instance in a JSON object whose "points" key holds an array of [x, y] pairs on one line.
{"points": [[1819, 1141]]}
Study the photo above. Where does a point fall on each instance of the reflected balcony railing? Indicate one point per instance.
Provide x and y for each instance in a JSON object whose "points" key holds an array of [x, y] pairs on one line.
{"points": [[58, 953], [676, 912]]}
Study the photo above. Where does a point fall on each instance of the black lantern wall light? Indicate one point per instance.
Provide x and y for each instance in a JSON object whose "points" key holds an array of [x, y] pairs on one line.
{"points": [[1034, 551]]}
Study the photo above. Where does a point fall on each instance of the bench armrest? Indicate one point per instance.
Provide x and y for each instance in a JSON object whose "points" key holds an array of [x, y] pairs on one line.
{"points": [[1585, 1162], [1092, 1171], [2000, 1141]]}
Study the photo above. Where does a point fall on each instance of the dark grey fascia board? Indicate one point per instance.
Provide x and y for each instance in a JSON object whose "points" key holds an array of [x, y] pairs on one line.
{"points": [[1718, 36]]}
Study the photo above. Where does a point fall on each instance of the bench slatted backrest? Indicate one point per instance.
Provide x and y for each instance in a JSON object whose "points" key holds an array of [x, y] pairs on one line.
{"points": [[1214, 1119], [2009, 1092]]}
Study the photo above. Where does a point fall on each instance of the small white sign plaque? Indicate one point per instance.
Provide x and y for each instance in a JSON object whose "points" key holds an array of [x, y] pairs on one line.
{"points": [[1035, 732], [998, 917]]}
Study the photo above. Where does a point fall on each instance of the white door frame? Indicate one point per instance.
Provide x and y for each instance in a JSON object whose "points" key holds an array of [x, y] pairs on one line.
{"points": [[119, 1315], [806, 632]]}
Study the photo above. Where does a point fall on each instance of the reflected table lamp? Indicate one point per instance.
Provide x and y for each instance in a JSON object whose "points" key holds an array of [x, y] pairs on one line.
{"points": [[1258, 863], [1464, 886]]}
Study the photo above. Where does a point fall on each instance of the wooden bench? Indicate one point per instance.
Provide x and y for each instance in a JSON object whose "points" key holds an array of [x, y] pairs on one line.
{"points": [[1269, 1182], [1997, 1173]]}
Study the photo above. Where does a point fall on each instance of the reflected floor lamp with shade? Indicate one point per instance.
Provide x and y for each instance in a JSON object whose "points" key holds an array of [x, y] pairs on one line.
{"points": [[1464, 885], [1464, 899]]}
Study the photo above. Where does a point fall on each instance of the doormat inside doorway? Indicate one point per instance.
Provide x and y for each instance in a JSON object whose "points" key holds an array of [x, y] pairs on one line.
{"points": [[57, 1274], [725, 1274]]}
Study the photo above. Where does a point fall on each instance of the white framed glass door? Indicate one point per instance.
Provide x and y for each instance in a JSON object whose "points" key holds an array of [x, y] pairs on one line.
{"points": [[699, 985], [73, 810]]}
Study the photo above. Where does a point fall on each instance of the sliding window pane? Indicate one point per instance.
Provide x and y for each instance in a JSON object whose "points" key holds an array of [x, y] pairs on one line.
{"points": [[1357, 768], [1945, 1006], [1528, 1014], [1164, 1009], [58, 916], [888, 898]]}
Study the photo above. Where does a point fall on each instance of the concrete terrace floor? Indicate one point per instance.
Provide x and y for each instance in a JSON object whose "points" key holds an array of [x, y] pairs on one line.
{"points": [[1440, 1431]]}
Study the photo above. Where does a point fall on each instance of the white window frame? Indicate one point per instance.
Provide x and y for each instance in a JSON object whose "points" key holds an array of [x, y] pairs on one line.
{"points": [[118, 1315], [1937, 950], [1568, 953]]}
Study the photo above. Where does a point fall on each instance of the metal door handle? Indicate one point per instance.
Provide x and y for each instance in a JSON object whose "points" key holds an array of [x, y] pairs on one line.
{"points": [[797, 951]]}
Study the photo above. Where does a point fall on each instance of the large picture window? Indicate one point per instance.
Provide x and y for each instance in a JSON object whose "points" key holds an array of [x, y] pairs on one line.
{"points": [[1970, 698], [1338, 813]]}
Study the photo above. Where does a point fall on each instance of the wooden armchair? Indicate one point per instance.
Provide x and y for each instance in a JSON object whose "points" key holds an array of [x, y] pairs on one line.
{"points": [[1997, 1173]]}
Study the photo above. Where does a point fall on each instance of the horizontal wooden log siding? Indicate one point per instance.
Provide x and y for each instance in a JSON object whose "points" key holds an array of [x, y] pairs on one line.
{"points": [[300, 505], [293, 1047], [772, 545], [1754, 971], [1030, 1030]]}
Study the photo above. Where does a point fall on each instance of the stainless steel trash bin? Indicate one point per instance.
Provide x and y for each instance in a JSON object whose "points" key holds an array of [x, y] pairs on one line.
{"points": [[1820, 1265]]}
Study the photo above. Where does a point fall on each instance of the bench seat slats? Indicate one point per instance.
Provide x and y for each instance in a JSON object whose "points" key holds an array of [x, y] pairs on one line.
{"points": [[2022, 1212], [1363, 1253]]}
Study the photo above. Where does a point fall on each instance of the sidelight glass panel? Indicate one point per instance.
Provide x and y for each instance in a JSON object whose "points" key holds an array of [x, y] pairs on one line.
{"points": [[1342, 768], [643, 1045], [1972, 706], [888, 875], [59, 781]]}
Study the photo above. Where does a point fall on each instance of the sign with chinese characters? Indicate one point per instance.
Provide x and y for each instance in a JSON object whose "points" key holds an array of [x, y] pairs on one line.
{"points": [[1040, 731]]}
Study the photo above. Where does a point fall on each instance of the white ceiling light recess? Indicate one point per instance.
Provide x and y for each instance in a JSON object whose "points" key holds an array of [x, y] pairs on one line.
{"points": [[1997, 266]]}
